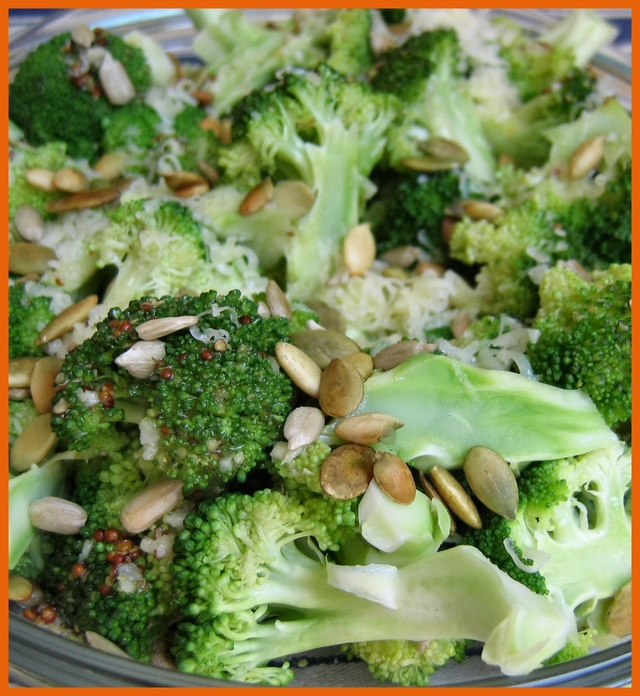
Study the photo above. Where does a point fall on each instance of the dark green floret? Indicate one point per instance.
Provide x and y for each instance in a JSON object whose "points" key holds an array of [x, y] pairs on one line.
{"points": [[132, 129]]}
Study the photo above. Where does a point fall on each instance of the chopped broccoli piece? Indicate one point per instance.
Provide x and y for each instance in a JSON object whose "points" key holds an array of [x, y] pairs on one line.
{"points": [[585, 337], [350, 50], [21, 413], [200, 144]]}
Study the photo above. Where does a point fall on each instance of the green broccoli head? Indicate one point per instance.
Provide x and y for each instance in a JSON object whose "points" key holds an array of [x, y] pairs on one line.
{"points": [[57, 96], [350, 49], [132, 129], [199, 144], [209, 404], [585, 337]]}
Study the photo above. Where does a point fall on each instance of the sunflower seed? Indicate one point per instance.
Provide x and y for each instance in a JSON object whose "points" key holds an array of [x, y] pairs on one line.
{"points": [[324, 346], [359, 249], [257, 198], [424, 267], [300, 368], [303, 426], [43, 382], [20, 371], [111, 165], [397, 353], [95, 640], [41, 179], [394, 477], [294, 197], [347, 471], [66, 320], [444, 150], [210, 172], [619, 616], [367, 428], [142, 359], [150, 505], [156, 328], [33, 444], [482, 210], [277, 301], [58, 515], [29, 224], [341, 389], [115, 81], [91, 198], [432, 493], [402, 257], [19, 394], [455, 497], [26, 258], [180, 180], [70, 180], [492, 481], [459, 324], [586, 157]]}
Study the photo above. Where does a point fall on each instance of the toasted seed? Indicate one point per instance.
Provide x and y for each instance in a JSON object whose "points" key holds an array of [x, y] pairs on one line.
{"points": [[156, 328], [180, 180], [212, 124], [43, 382], [210, 172], [70, 180], [33, 444], [29, 223], [363, 362], [423, 267], [395, 272], [397, 353], [359, 249], [150, 505], [303, 426], [111, 165], [619, 616], [482, 210], [277, 301], [95, 640], [448, 228], [161, 655], [341, 389], [66, 320], [41, 179], [27, 257], [20, 371], [324, 346], [300, 368], [60, 406], [115, 81], [444, 150], [586, 157], [91, 198], [367, 428], [19, 394], [402, 257], [58, 515], [263, 310], [492, 481], [142, 359], [257, 198], [455, 497], [225, 131], [432, 493], [20, 589], [394, 477], [193, 190], [347, 471], [428, 164], [203, 97], [295, 197], [459, 324]]}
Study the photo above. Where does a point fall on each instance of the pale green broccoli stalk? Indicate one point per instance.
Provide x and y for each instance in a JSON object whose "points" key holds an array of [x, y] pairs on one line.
{"points": [[447, 407], [326, 131], [249, 595]]}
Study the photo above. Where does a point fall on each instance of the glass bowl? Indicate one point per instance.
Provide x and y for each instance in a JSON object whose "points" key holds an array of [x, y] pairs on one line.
{"points": [[42, 658]]}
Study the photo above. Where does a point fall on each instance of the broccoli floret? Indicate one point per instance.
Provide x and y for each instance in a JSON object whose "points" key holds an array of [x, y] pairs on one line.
{"points": [[585, 337], [350, 50], [22, 159], [249, 594], [57, 96], [32, 307], [209, 406], [536, 63], [405, 662], [427, 72], [21, 413], [199, 144], [447, 407], [572, 534], [393, 15], [327, 132], [414, 210]]}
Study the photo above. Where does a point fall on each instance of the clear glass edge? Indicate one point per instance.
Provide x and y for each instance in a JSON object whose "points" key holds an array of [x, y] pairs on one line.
{"points": [[610, 667]]}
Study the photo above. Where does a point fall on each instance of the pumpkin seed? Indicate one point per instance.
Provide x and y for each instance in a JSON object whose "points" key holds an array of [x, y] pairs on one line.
{"points": [[66, 320], [300, 368], [150, 505], [163, 326], [492, 481], [619, 616], [401, 257], [91, 198], [367, 428], [363, 362], [181, 180], [341, 389], [426, 163], [294, 197], [33, 444], [347, 471], [43, 382], [446, 151], [70, 180], [324, 346], [277, 301], [432, 493], [29, 224], [359, 249], [20, 371], [257, 198], [586, 157], [303, 426], [455, 497], [394, 477], [26, 258], [57, 515], [397, 353]]}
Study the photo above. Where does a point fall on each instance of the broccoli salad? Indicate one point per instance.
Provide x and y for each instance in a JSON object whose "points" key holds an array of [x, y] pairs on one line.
{"points": [[322, 338]]}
